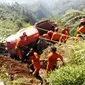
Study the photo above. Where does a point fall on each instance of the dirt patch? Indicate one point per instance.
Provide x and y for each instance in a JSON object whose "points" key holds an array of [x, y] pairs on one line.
{"points": [[16, 70]]}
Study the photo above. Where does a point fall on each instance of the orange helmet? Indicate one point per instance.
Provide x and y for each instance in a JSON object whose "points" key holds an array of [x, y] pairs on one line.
{"points": [[82, 20], [50, 32]]}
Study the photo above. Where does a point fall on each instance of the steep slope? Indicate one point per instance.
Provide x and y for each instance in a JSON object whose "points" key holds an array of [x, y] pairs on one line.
{"points": [[15, 71]]}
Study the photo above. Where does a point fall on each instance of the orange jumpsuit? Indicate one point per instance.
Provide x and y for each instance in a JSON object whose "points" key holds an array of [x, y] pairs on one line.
{"points": [[65, 31], [36, 62], [18, 50], [20, 41], [52, 59], [56, 36], [63, 38], [79, 31]]}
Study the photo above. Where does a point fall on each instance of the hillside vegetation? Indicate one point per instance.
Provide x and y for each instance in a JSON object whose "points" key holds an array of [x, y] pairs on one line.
{"points": [[73, 73], [13, 18]]}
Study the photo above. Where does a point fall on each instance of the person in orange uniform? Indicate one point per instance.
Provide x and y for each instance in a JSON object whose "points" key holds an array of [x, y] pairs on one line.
{"points": [[66, 30], [56, 36], [15, 52], [52, 59], [22, 40], [48, 35], [35, 62], [20, 43], [80, 29], [65, 34], [63, 38]]}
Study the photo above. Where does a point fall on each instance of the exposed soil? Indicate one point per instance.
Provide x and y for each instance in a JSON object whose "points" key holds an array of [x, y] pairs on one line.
{"points": [[15, 70]]}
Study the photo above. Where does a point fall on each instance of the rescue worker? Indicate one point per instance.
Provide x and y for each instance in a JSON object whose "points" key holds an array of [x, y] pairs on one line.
{"points": [[48, 35], [63, 38], [20, 43], [56, 36], [13, 50], [66, 30], [65, 34], [82, 22], [81, 29], [22, 39], [35, 66], [52, 59]]}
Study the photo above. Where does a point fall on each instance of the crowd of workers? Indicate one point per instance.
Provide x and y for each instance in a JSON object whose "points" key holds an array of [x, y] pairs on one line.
{"points": [[56, 36], [53, 55], [51, 61]]}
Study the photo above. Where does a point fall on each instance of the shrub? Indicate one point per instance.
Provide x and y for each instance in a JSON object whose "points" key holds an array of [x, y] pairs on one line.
{"points": [[73, 73]]}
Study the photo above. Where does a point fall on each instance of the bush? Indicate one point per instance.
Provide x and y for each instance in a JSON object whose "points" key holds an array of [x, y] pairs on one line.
{"points": [[73, 73], [68, 75]]}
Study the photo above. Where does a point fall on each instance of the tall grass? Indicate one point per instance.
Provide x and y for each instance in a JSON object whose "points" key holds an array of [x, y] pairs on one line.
{"points": [[73, 73]]}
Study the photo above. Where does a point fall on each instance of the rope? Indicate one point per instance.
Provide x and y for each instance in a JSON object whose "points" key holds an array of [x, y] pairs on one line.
{"points": [[52, 41], [42, 29]]}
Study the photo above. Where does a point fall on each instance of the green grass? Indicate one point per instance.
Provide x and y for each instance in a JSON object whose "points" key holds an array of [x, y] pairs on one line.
{"points": [[73, 73], [8, 27]]}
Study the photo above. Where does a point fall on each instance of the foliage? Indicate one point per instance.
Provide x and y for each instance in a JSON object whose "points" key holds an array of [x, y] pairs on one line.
{"points": [[12, 18], [79, 53], [68, 75], [72, 18], [73, 73]]}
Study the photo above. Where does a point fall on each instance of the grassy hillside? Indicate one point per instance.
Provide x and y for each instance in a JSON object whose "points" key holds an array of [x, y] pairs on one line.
{"points": [[73, 72], [13, 18]]}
